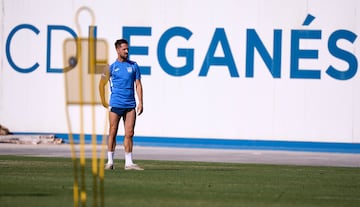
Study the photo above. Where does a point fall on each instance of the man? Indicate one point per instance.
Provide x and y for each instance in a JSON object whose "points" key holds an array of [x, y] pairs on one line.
{"points": [[122, 74]]}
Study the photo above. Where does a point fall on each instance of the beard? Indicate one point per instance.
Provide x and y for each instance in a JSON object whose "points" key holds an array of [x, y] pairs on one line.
{"points": [[124, 56]]}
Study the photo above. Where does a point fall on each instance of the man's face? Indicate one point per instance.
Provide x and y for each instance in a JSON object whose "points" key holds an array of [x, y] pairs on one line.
{"points": [[123, 51]]}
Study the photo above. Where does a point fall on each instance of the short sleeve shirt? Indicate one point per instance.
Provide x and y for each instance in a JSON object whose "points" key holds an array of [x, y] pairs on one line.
{"points": [[122, 80]]}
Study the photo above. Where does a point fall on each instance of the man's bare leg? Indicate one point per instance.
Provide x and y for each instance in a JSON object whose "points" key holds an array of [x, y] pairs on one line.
{"points": [[129, 125], [114, 120]]}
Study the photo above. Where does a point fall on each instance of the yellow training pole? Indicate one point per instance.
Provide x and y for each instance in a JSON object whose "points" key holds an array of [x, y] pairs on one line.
{"points": [[82, 135], [72, 147], [74, 160], [92, 62], [102, 162]]}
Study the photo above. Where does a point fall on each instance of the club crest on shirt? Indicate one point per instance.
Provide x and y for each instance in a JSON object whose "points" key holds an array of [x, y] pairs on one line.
{"points": [[129, 69]]}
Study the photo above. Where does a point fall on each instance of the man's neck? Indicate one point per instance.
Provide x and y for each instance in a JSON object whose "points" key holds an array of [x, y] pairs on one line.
{"points": [[121, 60]]}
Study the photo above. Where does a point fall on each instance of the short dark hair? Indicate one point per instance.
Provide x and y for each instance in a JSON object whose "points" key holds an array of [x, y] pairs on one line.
{"points": [[120, 41]]}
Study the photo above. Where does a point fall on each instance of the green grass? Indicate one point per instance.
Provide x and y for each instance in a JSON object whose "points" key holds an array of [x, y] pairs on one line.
{"points": [[42, 182]]}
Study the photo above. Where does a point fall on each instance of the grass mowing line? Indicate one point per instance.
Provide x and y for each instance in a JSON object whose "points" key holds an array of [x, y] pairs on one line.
{"points": [[35, 181]]}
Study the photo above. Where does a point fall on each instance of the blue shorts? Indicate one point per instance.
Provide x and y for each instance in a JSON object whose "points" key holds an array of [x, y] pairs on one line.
{"points": [[120, 111]]}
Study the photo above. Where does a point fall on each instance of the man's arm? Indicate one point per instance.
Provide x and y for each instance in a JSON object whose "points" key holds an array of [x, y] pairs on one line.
{"points": [[139, 92], [105, 76]]}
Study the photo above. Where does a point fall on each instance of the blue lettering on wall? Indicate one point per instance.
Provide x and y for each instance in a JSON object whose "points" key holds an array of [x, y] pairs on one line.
{"points": [[188, 54], [48, 50], [228, 60], [342, 54], [296, 54], [138, 50], [273, 64], [8, 44], [36, 31], [272, 59]]}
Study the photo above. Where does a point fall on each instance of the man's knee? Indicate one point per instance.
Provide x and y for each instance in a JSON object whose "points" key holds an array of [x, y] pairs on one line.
{"points": [[113, 126], [129, 135]]}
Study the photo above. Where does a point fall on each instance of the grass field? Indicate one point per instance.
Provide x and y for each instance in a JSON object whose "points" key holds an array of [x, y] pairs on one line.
{"points": [[42, 182]]}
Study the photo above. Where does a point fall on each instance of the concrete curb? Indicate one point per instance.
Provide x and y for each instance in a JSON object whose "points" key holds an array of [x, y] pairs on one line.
{"points": [[30, 139]]}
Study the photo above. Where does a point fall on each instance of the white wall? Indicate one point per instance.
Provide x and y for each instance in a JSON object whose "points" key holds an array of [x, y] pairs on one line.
{"points": [[212, 106]]}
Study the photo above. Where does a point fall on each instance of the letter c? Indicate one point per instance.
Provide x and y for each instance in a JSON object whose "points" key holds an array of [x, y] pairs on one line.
{"points": [[8, 55]]}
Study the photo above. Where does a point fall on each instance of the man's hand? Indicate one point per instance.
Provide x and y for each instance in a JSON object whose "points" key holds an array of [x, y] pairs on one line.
{"points": [[105, 77], [139, 109], [105, 104]]}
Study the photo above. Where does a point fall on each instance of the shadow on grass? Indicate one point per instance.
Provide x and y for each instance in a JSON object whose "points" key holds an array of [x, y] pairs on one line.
{"points": [[24, 194]]}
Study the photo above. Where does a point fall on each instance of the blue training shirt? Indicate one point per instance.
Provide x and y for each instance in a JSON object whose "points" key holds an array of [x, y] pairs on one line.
{"points": [[122, 80]]}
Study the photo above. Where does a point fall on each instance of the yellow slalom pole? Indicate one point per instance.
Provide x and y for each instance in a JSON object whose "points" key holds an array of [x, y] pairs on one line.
{"points": [[82, 136], [72, 147], [102, 162], [74, 160], [92, 53]]}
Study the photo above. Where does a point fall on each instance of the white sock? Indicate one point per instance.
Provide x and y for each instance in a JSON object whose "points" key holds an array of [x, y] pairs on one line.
{"points": [[128, 159], [110, 157]]}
